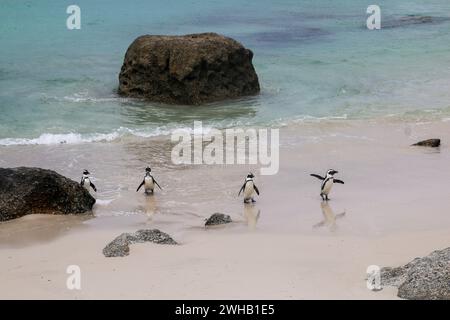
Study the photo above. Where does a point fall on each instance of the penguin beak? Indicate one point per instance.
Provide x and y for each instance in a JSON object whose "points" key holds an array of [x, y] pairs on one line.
{"points": [[334, 172]]}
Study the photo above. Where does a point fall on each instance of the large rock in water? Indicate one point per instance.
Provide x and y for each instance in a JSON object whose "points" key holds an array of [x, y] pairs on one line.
{"points": [[191, 69], [425, 278], [33, 190]]}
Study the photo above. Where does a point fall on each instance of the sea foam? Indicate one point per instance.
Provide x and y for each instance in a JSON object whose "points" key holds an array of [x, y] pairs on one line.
{"points": [[78, 138]]}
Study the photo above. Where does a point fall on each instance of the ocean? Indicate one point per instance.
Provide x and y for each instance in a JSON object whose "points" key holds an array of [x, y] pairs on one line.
{"points": [[315, 59]]}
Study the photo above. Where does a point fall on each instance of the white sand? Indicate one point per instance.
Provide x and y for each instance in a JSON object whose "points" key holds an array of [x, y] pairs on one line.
{"points": [[395, 201]]}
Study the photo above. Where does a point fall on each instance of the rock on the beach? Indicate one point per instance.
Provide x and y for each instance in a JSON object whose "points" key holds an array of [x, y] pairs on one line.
{"points": [[190, 69], [425, 278], [120, 246], [218, 218], [434, 143], [33, 190]]}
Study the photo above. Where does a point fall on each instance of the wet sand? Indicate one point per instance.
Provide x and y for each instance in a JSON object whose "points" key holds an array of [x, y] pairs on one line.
{"points": [[288, 245]]}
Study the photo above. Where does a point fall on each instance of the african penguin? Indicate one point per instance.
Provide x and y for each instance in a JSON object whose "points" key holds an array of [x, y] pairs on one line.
{"points": [[86, 181], [327, 183], [249, 188], [148, 182]]}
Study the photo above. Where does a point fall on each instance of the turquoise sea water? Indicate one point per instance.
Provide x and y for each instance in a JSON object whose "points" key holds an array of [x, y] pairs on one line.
{"points": [[315, 59]]}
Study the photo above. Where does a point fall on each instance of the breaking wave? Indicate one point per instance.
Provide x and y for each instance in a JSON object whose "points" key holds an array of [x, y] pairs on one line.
{"points": [[77, 138]]}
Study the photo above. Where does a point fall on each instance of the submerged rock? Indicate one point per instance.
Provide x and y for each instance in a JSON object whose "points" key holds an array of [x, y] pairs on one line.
{"points": [[413, 19], [33, 190], [189, 69], [425, 278], [434, 143], [120, 246], [218, 218]]}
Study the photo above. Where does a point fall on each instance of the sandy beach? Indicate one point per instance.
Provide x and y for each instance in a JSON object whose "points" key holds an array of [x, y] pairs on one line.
{"points": [[288, 245], [96, 102]]}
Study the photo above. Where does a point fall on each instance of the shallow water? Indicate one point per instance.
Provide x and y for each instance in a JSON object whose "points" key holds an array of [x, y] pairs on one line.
{"points": [[315, 59]]}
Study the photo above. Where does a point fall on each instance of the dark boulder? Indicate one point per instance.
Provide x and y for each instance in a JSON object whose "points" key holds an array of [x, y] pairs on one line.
{"points": [[33, 190], [434, 143], [218, 218], [425, 278], [120, 246], [190, 69]]}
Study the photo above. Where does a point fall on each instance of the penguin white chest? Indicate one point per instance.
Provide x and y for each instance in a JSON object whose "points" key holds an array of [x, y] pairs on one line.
{"points": [[148, 183], [87, 183], [327, 186], [248, 190]]}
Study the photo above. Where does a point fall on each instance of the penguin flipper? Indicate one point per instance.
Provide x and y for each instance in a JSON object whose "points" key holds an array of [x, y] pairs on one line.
{"points": [[142, 183], [317, 176], [157, 183], [242, 189], [338, 181], [256, 189], [93, 187]]}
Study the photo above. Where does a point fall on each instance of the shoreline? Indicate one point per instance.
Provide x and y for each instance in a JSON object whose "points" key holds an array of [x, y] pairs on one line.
{"points": [[127, 135], [287, 245]]}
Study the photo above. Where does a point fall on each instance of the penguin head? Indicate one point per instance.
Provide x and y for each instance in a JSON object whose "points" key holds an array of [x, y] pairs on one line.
{"points": [[148, 169], [85, 172], [331, 172], [250, 176]]}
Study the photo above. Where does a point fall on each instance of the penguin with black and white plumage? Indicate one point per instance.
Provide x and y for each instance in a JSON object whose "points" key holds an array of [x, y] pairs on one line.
{"points": [[327, 184], [149, 182], [249, 188], [86, 181]]}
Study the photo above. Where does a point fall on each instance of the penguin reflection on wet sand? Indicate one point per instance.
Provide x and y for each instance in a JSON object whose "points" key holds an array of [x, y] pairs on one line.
{"points": [[329, 218], [249, 188], [148, 182], [251, 215], [327, 183], [150, 207], [86, 181]]}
